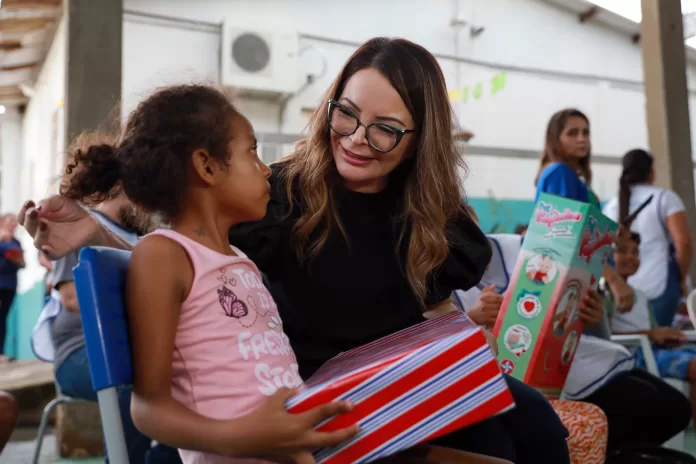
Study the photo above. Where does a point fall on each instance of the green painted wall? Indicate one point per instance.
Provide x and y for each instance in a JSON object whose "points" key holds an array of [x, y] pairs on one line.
{"points": [[23, 315], [501, 216]]}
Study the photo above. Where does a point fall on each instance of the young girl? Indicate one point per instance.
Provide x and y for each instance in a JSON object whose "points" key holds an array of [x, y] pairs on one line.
{"points": [[212, 366]]}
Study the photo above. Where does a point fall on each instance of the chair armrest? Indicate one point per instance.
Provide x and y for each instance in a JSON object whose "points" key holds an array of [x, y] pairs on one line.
{"points": [[642, 341], [690, 336]]}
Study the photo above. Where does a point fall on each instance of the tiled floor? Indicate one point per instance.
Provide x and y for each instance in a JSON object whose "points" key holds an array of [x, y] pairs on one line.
{"points": [[20, 452], [690, 441]]}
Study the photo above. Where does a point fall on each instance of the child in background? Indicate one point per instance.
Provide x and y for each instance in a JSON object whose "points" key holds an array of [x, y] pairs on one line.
{"points": [[212, 366], [673, 359]]}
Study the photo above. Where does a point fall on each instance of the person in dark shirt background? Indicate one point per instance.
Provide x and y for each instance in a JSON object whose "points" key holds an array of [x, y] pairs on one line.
{"points": [[11, 261]]}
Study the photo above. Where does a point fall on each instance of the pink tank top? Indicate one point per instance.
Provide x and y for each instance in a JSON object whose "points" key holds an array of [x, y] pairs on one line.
{"points": [[230, 351]]}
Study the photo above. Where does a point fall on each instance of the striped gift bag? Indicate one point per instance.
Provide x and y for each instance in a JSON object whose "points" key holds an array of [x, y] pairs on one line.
{"points": [[408, 388]]}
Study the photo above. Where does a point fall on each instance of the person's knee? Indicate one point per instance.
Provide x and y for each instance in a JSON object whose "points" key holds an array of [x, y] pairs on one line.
{"points": [[675, 408], [532, 407], [9, 411], [691, 371]]}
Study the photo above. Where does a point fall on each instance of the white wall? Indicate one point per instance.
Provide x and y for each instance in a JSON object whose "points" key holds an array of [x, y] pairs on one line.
{"points": [[43, 135], [543, 50], [11, 152]]}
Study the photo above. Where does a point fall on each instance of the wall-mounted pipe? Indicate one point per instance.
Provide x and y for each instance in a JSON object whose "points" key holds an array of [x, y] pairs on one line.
{"points": [[309, 80]]}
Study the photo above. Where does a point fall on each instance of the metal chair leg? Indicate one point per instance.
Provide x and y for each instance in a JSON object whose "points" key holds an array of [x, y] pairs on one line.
{"points": [[42, 427]]}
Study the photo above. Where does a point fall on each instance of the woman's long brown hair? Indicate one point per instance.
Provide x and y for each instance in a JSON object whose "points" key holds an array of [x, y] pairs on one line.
{"points": [[431, 174], [553, 151], [636, 167]]}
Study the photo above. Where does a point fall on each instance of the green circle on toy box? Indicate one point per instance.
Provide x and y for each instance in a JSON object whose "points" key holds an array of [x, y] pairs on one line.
{"points": [[541, 269], [517, 339], [528, 306]]}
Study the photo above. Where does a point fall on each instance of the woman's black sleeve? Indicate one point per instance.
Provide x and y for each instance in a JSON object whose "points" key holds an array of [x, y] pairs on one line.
{"points": [[465, 264]]}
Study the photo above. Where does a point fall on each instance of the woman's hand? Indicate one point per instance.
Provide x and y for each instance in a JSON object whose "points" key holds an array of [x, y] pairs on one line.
{"points": [[485, 311], [285, 435], [667, 337], [623, 293], [58, 225], [591, 309]]}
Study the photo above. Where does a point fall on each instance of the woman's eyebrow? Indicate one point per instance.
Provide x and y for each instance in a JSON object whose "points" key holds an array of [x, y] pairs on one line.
{"points": [[379, 118]]}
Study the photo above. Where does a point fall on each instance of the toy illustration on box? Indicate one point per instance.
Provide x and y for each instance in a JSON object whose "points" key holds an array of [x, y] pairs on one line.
{"points": [[564, 253]]}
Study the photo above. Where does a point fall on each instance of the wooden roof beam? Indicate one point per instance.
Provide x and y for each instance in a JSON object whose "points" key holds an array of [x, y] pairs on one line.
{"points": [[30, 4], [589, 14]]}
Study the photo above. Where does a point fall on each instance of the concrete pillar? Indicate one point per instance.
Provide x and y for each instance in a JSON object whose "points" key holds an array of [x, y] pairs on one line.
{"points": [[11, 155], [93, 67], [92, 93], [667, 101]]}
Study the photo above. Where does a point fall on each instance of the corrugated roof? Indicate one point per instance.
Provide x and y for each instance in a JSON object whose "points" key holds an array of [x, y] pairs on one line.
{"points": [[26, 31]]}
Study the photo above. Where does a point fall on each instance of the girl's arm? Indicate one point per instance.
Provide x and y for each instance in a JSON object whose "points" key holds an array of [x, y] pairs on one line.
{"points": [[678, 229], [623, 293], [662, 336], [159, 278]]}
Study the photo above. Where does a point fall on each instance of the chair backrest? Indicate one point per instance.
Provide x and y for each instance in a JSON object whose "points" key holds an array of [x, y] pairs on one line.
{"points": [[100, 280]]}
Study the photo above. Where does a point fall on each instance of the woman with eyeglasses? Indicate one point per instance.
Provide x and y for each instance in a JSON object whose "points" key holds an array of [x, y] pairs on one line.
{"points": [[366, 232]]}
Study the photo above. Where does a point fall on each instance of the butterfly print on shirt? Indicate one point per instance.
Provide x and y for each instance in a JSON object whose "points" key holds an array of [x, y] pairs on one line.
{"points": [[232, 306]]}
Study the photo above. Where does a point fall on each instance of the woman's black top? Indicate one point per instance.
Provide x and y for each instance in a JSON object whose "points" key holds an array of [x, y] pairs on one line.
{"points": [[356, 291]]}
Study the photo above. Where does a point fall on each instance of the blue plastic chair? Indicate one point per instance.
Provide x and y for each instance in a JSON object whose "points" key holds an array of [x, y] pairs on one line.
{"points": [[99, 280]]}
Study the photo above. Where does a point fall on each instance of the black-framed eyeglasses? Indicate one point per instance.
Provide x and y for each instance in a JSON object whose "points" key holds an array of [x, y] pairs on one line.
{"points": [[380, 136]]}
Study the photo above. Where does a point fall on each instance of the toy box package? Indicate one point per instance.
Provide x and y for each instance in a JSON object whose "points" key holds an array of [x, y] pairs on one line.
{"points": [[408, 388], [563, 254]]}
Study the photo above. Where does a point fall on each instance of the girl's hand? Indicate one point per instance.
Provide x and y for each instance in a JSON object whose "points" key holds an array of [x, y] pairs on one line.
{"points": [[591, 309], [485, 311], [667, 337], [58, 225], [284, 435]]}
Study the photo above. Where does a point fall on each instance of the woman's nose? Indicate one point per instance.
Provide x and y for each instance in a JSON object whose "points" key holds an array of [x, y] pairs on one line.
{"points": [[359, 136]]}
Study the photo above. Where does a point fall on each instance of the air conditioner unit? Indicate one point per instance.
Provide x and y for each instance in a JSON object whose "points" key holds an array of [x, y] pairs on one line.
{"points": [[258, 63]]}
